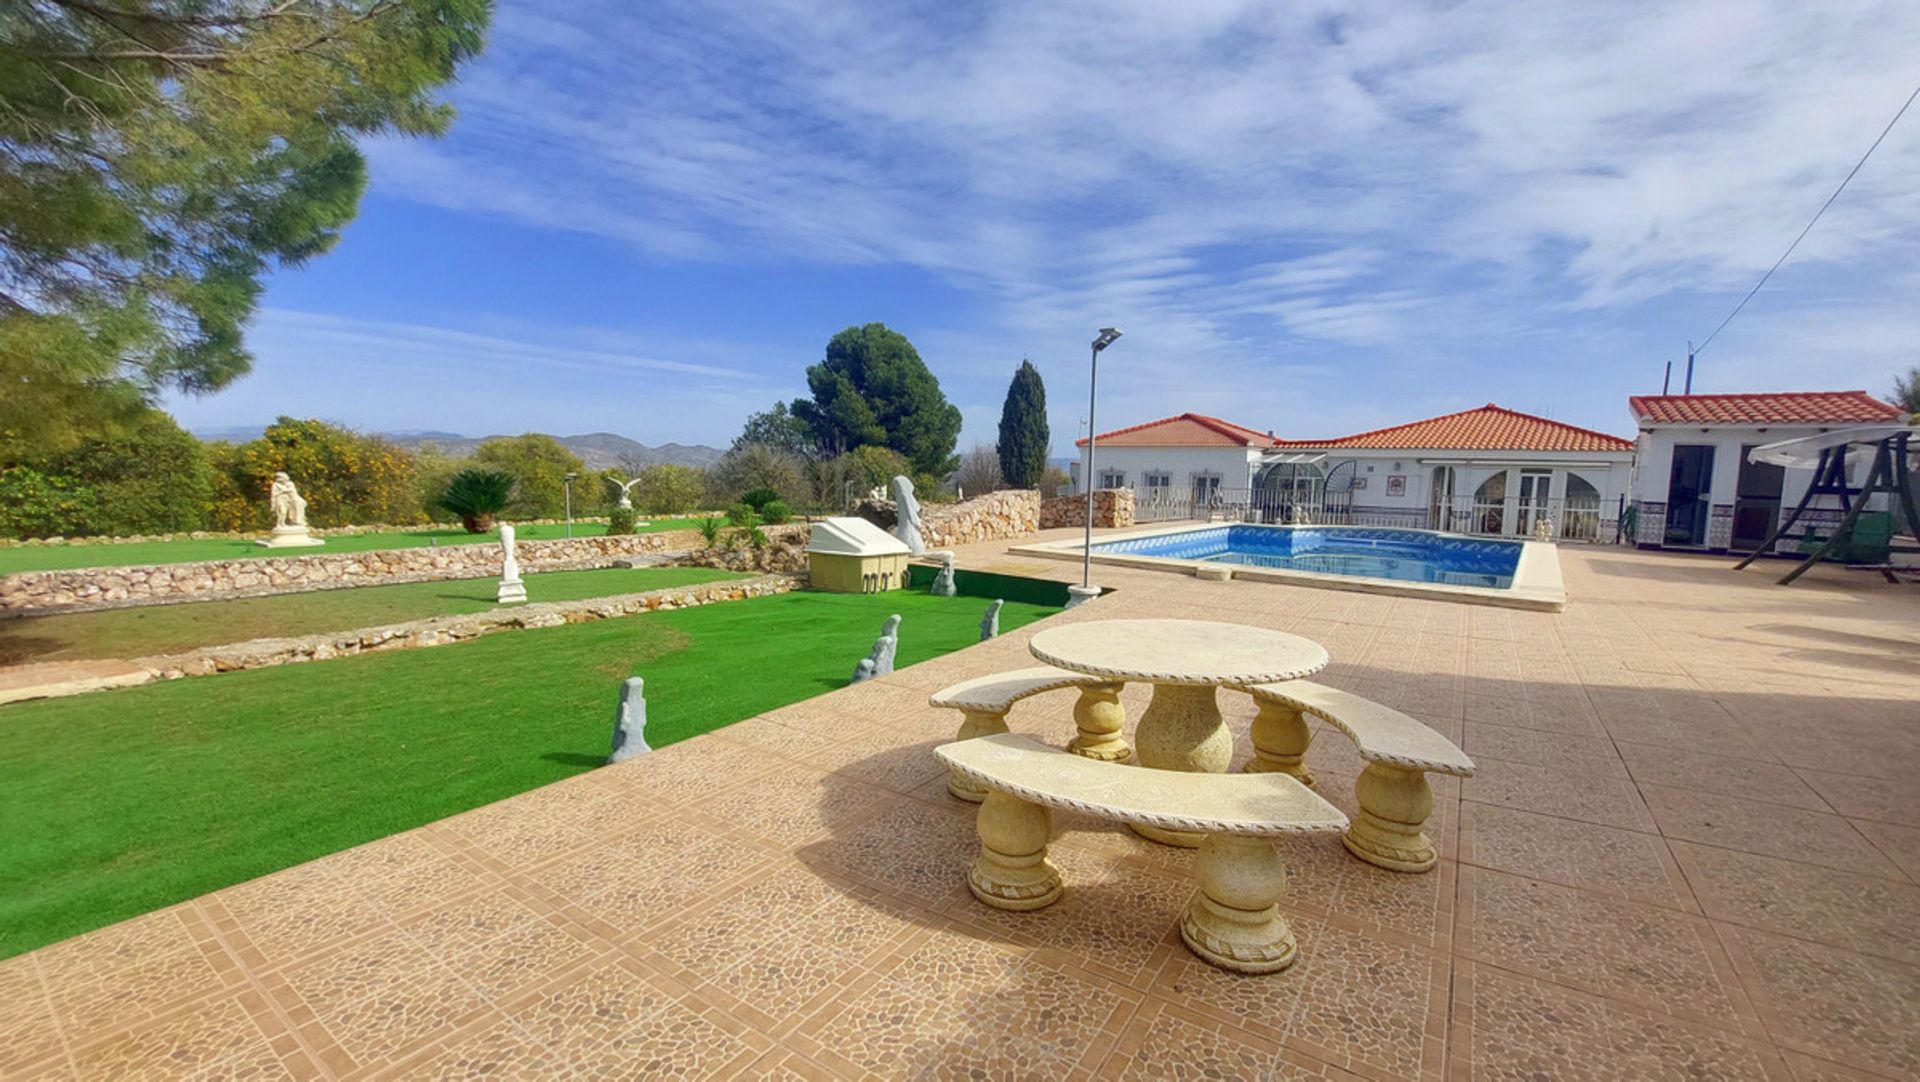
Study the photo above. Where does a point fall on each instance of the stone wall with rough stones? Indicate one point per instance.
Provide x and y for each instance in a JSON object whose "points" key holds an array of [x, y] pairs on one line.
{"points": [[993, 517], [1112, 509], [441, 630], [318, 531], [785, 551], [115, 587], [996, 516]]}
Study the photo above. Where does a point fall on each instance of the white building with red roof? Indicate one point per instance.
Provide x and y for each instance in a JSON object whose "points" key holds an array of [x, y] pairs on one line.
{"points": [[1486, 470], [1694, 487], [1489, 470], [1186, 458]]}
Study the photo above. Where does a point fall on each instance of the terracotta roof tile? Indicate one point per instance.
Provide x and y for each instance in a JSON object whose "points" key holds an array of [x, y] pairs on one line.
{"points": [[1799, 407], [1185, 430], [1489, 428]]}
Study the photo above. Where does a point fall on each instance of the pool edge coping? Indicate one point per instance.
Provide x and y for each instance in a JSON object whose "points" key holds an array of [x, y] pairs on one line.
{"points": [[1537, 582]]}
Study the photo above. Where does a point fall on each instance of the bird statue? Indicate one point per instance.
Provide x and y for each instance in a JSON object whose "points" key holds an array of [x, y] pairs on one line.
{"points": [[626, 492]]}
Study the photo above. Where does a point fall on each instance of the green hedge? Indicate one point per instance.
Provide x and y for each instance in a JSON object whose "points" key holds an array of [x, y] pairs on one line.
{"points": [[989, 585]]}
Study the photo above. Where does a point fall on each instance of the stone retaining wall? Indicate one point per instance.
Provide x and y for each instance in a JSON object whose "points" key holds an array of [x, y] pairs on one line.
{"points": [[83, 588], [993, 517], [1112, 508], [441, 630], [785, 550], [318, 531]]}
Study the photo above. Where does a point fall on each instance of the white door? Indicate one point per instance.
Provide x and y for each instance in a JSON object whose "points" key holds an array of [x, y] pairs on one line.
{"points": [[1440, 499], [1536, 490]]}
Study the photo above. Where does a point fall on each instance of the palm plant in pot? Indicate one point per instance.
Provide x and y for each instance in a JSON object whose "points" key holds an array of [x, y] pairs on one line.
{"points": [[477, 496]]}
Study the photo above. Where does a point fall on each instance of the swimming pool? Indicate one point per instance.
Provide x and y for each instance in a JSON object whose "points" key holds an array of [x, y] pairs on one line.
{"points": [[1384, 560], [1403, 555]]}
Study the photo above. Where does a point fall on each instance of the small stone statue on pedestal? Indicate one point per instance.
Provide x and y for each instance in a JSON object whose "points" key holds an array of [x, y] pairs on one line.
{"points": [[289, 517], [512, 590], [879, 660], [943, 582], [990, 623], [630, 725]]}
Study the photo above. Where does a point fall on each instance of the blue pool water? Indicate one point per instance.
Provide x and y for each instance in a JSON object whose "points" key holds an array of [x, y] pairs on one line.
{"points": [[1365, 552]]}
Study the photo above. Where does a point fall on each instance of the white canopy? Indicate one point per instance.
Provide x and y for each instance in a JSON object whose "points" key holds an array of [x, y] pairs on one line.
{"points": [[853, 537], [1804, 452], [1292, 458]]}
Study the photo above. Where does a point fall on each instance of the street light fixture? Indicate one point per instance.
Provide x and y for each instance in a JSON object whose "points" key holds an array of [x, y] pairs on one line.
{"points": [[1107, 337], [566, 486]]}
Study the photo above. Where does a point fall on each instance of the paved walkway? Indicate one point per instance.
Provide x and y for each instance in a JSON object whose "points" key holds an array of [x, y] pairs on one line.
{"points": [[1691, 851]]}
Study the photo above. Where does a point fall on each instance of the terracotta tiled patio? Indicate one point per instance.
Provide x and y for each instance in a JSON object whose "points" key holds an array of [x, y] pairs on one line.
{"points": [[1691, 851]]}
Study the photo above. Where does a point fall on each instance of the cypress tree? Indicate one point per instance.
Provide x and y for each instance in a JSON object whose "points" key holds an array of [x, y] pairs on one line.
{"points": [[1023, 429]]}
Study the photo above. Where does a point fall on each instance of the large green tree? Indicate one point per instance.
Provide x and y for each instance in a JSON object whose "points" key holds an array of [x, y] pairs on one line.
{"points": [[541, 464], [154, 477], [1906, 390], [874, 390], [1023, 429], [777, 426], [346, 477], [158, 157]]}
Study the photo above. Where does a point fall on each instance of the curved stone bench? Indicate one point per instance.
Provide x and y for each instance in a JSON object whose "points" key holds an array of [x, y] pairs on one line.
{"points": [[1234, 922], [1395, 800], [984, 701]]}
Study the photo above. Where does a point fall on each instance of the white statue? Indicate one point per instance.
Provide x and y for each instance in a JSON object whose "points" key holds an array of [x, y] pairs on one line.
{"points": [[907, 522], [1543, 529], [289, 509], [289, 516], [626, 492], [511, 588]]}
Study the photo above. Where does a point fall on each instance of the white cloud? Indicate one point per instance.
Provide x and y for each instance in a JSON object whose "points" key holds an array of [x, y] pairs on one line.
{"points": [[1272, 199]]}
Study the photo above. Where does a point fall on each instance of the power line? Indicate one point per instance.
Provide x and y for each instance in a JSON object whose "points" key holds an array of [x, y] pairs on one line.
{"points": [[1810, 224]]}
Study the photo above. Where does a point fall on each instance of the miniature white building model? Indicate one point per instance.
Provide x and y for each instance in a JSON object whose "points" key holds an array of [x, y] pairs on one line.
{"points": [[853, 556]]}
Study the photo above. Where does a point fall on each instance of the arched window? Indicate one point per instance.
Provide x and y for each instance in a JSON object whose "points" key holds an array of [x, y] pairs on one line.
{"points": [[1489, 504], [1580, 518]]}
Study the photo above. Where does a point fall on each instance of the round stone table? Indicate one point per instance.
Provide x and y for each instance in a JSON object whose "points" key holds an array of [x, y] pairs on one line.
{"points": [[1185, 661]]}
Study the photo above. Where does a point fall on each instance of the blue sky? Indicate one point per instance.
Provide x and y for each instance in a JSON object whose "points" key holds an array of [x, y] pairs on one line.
{"points": [[1318, 218]]}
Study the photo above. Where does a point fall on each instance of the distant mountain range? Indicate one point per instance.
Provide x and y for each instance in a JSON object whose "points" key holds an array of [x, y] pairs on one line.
{"points": [[599, 450]]}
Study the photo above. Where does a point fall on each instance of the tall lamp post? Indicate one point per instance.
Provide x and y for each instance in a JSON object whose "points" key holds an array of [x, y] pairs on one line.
{"points": [[1107, 337], [566, 486]]}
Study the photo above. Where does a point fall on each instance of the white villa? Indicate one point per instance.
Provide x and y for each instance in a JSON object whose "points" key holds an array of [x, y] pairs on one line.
{"points": [[1489, 470], [1694, 488]]}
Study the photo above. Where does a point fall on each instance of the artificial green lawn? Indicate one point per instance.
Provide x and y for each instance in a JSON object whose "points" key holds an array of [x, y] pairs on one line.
{"points": [[120, 802], [166, 629], [138, 554]]}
